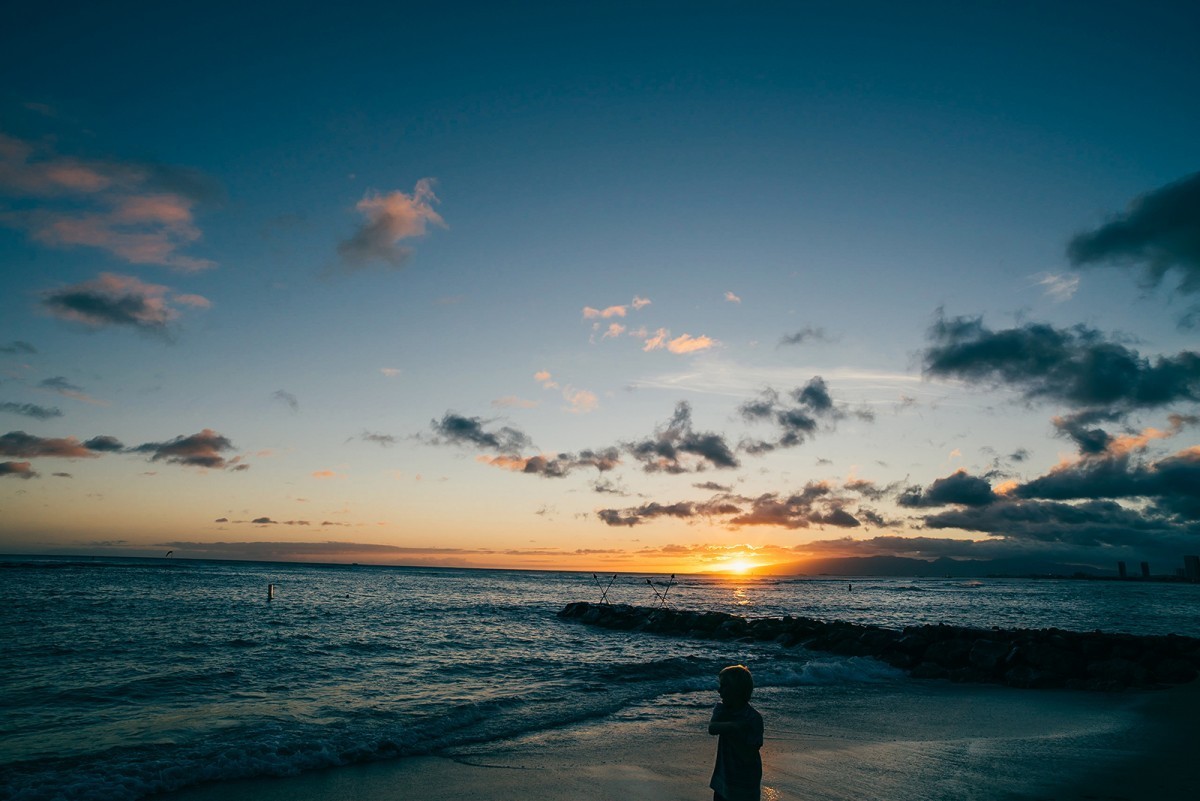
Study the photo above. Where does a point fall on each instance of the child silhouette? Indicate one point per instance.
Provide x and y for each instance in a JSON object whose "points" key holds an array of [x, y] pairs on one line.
{"points": [[738, 772]]}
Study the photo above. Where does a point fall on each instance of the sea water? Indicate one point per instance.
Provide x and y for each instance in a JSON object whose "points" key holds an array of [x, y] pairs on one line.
{"points": [[120, 679]]}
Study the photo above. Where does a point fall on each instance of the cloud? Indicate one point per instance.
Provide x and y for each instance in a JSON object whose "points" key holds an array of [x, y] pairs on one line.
{"points": [[386, 440], [390, 372], [544, 378], [686, 343], [676, 447], [513, 402], [797, 421], [118, 300], [658, 340], [139, 213], [612, 311], [958, 488], [21, 445], [640, 303], [104, 444], [613, 331], [17, 470], [31, 410], [806, 334], [1057, 286], [62, 386], [286, 398], [202, 449], [1159, 232], [556, 466], [390, 219], [580, 401], [459, 430], [1078, 366], [18, 346], [732, 298]]}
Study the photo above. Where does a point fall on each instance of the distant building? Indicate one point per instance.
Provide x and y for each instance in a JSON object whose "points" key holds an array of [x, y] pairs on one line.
{"points": [[1121, 570], [1191, 567], [1145, 570]]}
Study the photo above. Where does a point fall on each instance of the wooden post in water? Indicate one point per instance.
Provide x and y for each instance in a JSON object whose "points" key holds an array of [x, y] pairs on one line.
{"points": [[270, 591]]}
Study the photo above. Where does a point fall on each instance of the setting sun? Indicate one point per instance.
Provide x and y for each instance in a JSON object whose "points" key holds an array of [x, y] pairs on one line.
{"points": [[740, 566]]}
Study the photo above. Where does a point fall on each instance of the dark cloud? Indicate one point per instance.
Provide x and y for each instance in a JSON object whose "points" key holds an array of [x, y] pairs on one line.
{"points": [[386, 440], [286, 398], [684, 510], [1087, 525], [62, 475], [798, 417], [26, 446], [195, 450], [806, 334], [672, 445], [117, 300], [562, 464], [18, 346], [59, 384], [459, 430], [104, 444], [1173, 483], [31, 410], [1078, 366], [958, 488], [712, 486], [1159, 232], [17, 470]]}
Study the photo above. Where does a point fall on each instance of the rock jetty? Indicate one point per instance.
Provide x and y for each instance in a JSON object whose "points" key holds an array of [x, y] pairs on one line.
{"points": [[1042, 658]]}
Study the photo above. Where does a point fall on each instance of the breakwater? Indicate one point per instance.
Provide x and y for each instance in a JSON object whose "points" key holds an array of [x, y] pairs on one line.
{"points": [[1031, 658]]}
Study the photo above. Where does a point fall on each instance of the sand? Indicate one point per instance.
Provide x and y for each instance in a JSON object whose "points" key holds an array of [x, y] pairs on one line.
{"points": [[897, 741]]}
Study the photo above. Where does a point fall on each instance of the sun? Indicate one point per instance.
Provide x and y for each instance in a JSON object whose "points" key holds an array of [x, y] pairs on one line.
{"points": [[739, 566]]}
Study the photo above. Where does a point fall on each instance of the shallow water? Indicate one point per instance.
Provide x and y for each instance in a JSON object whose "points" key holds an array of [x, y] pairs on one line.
{"points": [[122, 678]]}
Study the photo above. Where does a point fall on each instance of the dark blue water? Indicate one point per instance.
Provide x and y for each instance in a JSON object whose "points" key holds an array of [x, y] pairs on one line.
{"points": [[120, 679]]}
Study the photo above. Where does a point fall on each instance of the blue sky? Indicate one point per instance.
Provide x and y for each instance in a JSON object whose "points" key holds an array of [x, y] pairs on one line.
{"points": [[429, 285]]}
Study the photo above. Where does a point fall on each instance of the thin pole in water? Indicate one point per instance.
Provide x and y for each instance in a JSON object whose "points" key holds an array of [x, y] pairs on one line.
{"points": [[270, 591]]}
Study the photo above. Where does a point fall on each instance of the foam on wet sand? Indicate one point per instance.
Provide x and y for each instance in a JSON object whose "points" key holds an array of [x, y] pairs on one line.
{"points": [[897, 741]]}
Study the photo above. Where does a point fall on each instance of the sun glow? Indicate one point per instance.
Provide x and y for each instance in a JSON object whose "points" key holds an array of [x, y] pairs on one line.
{"points": [[739, 566]]}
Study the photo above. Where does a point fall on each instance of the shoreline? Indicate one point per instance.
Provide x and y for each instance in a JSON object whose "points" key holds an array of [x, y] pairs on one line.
{"points": [[901, 740]]}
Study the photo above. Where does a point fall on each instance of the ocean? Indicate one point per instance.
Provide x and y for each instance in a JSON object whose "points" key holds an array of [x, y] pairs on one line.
{"points": [[124, 678]]}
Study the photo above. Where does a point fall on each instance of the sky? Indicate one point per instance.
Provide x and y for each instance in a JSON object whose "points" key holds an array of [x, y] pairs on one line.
{"points": [[601, 286]]}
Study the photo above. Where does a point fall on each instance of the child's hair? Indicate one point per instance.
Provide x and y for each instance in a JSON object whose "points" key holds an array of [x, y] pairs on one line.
{"points": [[738, 678]]}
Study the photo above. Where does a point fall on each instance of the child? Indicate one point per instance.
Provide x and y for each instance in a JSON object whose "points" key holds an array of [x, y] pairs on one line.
{"points": [[738, 772]]}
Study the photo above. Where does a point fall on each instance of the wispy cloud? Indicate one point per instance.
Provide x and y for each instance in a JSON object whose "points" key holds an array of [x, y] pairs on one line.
{"points": [[580, 401], [26, 446], [456, 429], [31, 410], [390, 220], [806, 334], [287, 399], [732, 298], [118, 300], [140, 213], [1059, 287], [18, 346]]}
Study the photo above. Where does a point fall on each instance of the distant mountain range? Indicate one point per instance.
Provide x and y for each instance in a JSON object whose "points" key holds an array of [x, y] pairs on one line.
{"points": [[905, 566]]}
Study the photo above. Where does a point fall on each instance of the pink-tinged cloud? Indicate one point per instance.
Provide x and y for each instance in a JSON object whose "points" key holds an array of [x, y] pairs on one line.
{"points": [[732, 298], [686, 343], [203, 449], [17, 470], [640, 303], [27, 446], [142, 214], [513, 402], [123, 300], [613, 330], [390, 219], [612, 311], [324, 474], [658, 340], [543, 377], [580, 401]]}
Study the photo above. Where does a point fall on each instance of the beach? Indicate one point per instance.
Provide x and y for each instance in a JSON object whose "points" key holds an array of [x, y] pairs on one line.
{"points": [[935, 741]]}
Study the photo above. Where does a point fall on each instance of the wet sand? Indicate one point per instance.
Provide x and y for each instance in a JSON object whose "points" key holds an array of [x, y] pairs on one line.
{"points": [[899, 741]]}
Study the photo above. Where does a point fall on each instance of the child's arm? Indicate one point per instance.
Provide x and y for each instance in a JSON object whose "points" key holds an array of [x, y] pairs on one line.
{"points": [[719, 724]]}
